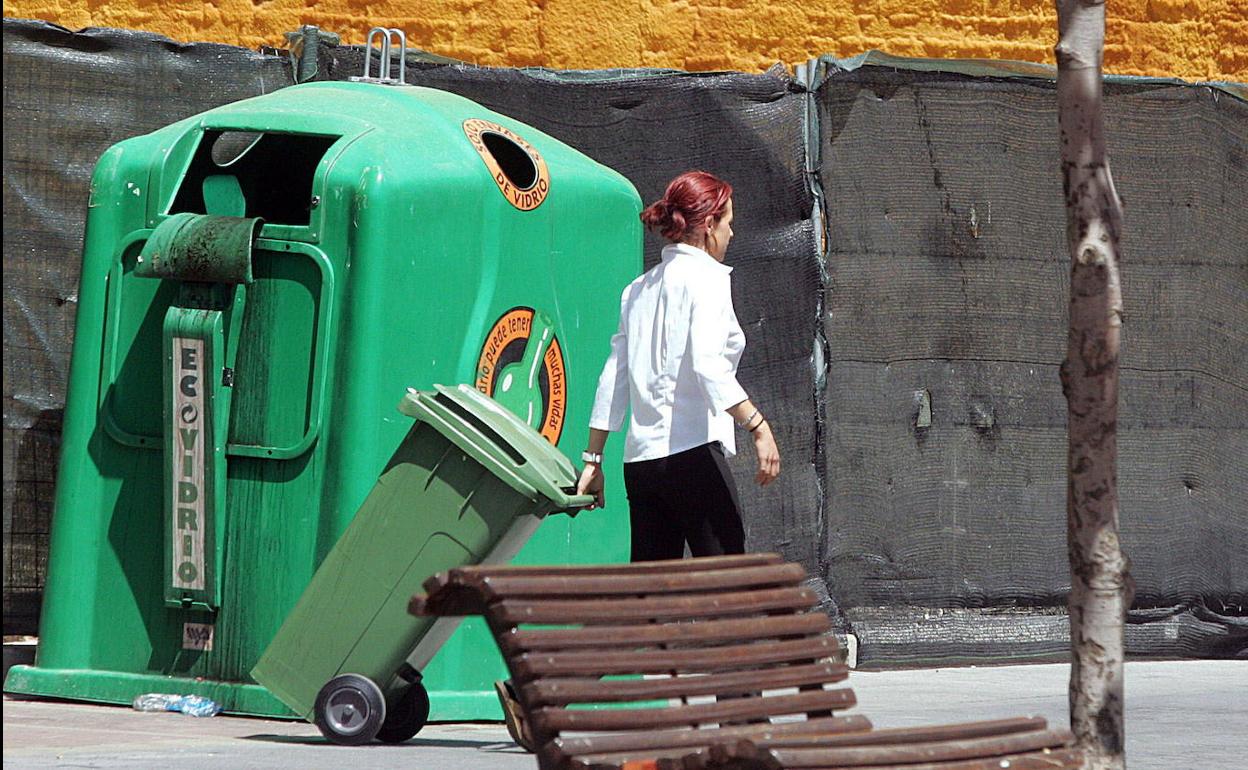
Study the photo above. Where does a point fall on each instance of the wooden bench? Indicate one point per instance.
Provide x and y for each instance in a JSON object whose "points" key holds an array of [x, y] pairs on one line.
{"points": [[717, 662]]}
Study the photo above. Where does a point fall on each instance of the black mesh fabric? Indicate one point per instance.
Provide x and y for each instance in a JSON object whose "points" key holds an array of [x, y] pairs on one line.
{"points": [[910, 260], [948, 281]]}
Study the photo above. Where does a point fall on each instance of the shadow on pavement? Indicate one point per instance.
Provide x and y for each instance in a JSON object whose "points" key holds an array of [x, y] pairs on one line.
{"points": [[502, 747]]}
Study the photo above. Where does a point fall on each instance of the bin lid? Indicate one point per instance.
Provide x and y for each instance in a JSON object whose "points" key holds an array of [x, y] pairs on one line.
{"points": [[498, 439]]}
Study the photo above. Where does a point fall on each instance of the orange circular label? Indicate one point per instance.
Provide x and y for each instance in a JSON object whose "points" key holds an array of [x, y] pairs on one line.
{"points": [[523, 198], [507, 344]]}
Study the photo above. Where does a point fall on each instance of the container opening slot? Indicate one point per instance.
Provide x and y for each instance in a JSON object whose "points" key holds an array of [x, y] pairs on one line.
{"points": [[274, 174], [515, 163]]}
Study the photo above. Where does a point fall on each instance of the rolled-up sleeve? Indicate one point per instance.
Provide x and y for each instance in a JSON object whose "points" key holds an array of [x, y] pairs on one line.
{"points": [[710, 311], [611, 399]]}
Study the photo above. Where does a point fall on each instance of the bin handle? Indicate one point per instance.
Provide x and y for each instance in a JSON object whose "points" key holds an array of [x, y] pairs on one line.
{"points": [[573, 504]]}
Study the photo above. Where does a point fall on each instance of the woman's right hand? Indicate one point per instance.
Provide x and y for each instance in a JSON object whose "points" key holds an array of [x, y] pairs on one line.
{"points": [[768, 455], [591, 483]]}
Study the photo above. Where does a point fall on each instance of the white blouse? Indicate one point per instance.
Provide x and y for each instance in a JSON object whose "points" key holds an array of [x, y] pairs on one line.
{"points": [[674, 359]]}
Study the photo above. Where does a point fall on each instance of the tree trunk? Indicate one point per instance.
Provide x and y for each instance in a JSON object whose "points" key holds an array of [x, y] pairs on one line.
{"points": [[1100, 583]]}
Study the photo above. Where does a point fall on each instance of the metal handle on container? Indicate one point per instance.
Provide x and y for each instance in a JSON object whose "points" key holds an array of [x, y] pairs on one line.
{"points": [[383, 64]]}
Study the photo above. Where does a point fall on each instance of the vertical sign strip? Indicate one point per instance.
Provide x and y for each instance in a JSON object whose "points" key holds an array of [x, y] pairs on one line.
{"points": [[190, 427]]}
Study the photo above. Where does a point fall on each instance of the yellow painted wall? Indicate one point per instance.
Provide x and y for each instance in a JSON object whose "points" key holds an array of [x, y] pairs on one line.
{"points": [[1194, 39]]}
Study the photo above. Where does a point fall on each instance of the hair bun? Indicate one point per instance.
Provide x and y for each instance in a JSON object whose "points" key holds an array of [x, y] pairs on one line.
{"points": [[690, 200]]}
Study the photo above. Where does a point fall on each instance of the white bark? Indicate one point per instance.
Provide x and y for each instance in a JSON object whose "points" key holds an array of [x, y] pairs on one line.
{"points": [[1101, 589]]}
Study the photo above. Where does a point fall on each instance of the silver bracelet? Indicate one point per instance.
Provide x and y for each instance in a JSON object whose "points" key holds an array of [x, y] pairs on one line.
{"points": [[748, 420]]}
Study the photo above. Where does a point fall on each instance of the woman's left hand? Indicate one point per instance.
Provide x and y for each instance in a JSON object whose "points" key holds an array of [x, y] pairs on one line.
{"points": [[768, 455], [591, 483]]}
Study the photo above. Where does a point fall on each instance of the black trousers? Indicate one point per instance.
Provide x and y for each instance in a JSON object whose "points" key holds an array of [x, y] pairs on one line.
{"points": [[688, 497]]}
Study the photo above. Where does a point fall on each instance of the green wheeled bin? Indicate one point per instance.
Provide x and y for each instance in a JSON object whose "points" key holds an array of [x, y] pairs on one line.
{"points": [[468, 485]]}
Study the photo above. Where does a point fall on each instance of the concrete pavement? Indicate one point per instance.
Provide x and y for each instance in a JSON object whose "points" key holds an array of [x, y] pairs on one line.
{"points": [[1185, 715], [43, 734], [1181, 715]]}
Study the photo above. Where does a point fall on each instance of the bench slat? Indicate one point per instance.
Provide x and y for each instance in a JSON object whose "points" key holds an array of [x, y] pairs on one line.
{"points": [[654, 739], [531, 665], [512, 612], [661, 567], [517, 640], [561, 692], [459, 591], [519, 586], [915, 753], [744, 754], [902, 735], [555, 720]]}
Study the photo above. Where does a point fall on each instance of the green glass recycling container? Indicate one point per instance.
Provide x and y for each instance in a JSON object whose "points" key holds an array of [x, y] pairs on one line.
{"points": [[258, 283]]}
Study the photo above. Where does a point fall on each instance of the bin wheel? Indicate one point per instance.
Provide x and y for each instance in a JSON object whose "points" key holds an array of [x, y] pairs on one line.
{"points": [[407, 715], [349, 710]]}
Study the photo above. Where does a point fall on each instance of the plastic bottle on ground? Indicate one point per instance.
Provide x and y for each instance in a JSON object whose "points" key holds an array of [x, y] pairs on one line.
{"points": [[194, 705], [155, 701]]}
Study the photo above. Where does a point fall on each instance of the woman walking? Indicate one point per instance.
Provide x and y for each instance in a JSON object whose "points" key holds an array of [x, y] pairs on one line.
{"points": [[673, 366]]}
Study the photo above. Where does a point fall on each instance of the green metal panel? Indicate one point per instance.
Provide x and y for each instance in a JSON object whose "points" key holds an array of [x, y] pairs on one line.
{"points": [[278, 410], [390, 258]]}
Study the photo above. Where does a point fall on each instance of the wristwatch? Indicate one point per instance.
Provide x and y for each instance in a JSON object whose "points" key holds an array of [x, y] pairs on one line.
{"points": [[591, 457]]}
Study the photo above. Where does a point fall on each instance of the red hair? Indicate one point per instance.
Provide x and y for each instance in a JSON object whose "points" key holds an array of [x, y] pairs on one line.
{"points": [[690, 201]]}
